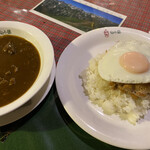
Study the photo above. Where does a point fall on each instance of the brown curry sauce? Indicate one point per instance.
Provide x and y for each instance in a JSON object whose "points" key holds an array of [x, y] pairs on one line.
{"points": [[19, 67]]}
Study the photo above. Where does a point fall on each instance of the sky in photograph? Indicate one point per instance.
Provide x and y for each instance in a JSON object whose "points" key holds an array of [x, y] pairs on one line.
{"points": [[92, 10]]}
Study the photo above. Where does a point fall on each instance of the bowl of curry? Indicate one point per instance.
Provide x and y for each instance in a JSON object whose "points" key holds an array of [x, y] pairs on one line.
{"points": [[26, 59]]}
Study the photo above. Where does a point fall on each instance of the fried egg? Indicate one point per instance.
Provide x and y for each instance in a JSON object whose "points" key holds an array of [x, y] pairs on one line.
{"points": [[126, 62]]}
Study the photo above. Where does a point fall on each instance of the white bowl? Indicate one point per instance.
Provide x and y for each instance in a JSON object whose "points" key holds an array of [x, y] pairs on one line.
{"points": [[46, 52]]}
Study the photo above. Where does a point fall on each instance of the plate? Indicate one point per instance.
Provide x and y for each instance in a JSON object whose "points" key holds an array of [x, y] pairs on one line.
{"points": [[74, 59], [30, 105]]}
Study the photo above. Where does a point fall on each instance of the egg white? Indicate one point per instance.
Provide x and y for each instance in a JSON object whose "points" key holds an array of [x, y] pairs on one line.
{"points": [[110, 69]]}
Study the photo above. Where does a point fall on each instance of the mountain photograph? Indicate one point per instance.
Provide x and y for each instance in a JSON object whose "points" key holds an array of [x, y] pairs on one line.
{"points": [[73, 15]]}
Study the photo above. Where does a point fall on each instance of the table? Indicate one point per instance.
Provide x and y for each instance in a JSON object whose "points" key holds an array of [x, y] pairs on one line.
{"points": [[49, 126]]}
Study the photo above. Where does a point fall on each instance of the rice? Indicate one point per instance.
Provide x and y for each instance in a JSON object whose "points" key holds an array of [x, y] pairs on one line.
{"points": [[112, 101]]}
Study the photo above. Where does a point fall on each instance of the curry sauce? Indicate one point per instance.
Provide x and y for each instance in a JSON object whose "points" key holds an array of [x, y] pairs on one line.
{"points": [[19, 67]]}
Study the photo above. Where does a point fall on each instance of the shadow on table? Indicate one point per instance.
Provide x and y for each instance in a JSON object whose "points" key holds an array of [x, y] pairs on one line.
{"points": [[25, 122]]}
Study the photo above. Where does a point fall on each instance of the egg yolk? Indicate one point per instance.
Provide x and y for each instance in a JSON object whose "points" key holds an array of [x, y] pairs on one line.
{"points": [[134, 62]]}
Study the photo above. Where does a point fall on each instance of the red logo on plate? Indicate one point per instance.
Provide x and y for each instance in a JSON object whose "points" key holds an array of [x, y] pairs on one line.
{"points": [[106, 33]]}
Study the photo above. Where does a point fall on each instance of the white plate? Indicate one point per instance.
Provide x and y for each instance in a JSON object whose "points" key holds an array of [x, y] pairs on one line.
{"points": [[30, 105], [46, 52], [73, 61]]}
